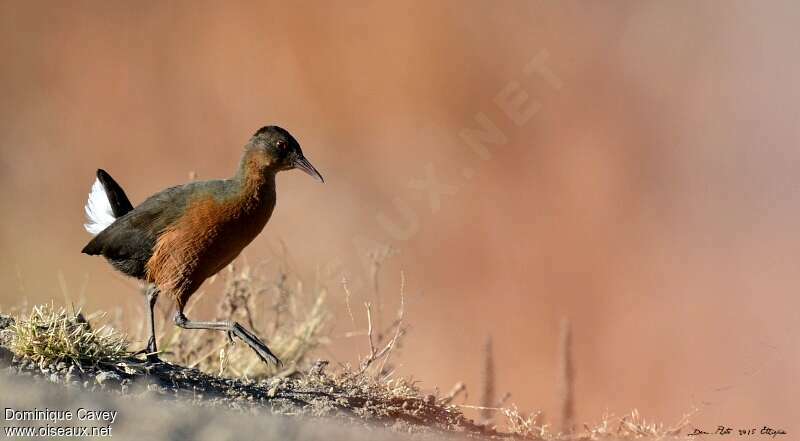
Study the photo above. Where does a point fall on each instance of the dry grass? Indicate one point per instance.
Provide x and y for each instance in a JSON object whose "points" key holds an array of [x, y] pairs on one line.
{"points": [[49, 335], [633, 426], [629, 427]]}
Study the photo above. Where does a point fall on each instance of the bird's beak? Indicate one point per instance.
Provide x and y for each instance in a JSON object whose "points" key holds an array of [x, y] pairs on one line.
{"points": [[302, 163]]}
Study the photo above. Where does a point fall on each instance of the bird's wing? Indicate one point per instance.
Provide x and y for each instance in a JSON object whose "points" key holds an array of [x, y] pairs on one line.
{"points": [[135, 233]]}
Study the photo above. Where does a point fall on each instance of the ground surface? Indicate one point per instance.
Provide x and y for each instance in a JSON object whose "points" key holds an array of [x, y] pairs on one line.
{"points": [[160, 400], [188, 403], [147, 418]]}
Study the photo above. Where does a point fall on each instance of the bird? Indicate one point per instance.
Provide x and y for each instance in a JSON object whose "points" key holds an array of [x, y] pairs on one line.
{"points": [[177, 238]]}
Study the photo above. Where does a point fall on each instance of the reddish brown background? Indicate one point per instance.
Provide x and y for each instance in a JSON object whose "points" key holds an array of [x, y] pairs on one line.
{"points": [[653, 199]]}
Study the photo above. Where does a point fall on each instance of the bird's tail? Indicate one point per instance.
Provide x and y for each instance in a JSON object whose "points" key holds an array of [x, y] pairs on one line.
{"points": [[107, 201]]}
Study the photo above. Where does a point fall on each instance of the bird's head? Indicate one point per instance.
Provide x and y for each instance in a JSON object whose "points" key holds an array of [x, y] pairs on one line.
{"points": [[277, 149]]}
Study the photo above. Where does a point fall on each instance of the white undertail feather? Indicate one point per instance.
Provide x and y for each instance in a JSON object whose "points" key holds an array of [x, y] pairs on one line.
{"points": [[98, 210]]}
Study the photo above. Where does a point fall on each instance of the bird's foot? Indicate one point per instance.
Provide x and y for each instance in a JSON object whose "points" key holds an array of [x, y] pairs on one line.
{"points": [[231, 328], [150, 352]]}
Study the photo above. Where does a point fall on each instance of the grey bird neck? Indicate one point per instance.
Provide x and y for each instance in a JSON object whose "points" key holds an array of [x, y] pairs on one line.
{"points": [[254, 180]]}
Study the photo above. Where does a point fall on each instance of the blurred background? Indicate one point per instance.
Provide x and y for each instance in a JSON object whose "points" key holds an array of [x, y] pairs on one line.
{"points": [[646, 189]]}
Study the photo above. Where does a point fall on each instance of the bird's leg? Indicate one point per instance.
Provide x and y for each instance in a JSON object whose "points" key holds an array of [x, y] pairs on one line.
{"points": [[152, 298], [232, 328], [152, 348]]}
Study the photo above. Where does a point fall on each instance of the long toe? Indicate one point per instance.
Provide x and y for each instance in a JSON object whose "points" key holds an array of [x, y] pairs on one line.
{"points": [[257, 345], [268, 356], [144, 351], [263, 352]]}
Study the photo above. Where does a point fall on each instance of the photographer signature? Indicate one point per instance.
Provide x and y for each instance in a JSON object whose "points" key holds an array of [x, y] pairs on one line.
{"points": [[725, 430]]}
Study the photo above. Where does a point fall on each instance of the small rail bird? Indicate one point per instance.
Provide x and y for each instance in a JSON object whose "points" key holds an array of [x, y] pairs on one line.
{"points": [[179, 237]]}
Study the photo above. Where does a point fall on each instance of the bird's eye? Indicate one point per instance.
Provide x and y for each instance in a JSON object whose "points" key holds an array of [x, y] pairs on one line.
{"points": [[281, 144]]}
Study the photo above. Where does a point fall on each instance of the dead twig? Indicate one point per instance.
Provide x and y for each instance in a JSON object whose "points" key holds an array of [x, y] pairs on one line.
{"points": [[383, 353], [457, 390]]}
